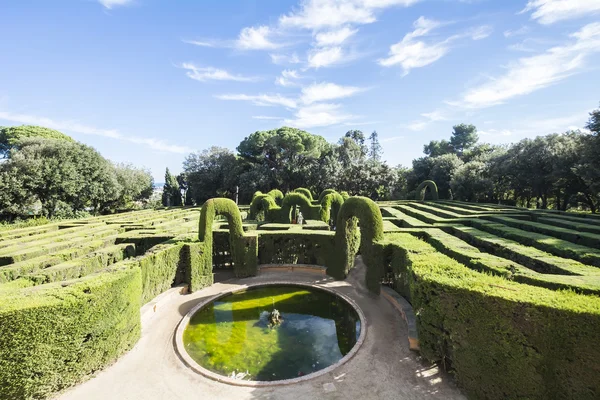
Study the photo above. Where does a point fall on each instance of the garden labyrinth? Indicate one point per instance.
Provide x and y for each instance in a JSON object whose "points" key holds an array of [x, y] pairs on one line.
{"points": [[505, 298]]}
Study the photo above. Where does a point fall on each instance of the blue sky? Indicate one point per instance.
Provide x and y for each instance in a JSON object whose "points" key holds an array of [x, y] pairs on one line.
{"points": [[149, 81]]}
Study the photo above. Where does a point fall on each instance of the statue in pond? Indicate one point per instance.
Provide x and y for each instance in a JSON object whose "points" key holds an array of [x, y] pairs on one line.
{"points": [[275, 318]]}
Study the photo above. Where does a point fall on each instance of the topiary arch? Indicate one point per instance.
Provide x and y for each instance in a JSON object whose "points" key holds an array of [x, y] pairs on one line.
{"points": [[306, 193], [266, 204], [330, 206], [371, 230], [325, 193], [277, 195], [244, 248], [422, 189], [297, 199]]}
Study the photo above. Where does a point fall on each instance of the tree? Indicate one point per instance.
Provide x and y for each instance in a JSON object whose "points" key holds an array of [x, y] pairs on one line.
{"points": [[211, 173], [470, 183], [442, 171], [437, 148], [61, 174], [593, 123], [10, 137], [135, 185], [376, 150], [463, 138], [171, 193]]}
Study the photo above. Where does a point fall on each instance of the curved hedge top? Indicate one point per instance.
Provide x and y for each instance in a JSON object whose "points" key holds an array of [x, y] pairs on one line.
{"points": [[305, 192], [369, 215], [277, 195], [420, 193], [325, 193], [295, 199], [262, 202], [219, 206], [331, 202]]}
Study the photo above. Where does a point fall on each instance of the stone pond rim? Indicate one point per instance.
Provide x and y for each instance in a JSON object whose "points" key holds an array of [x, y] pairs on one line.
{"points": [[193, 365]]}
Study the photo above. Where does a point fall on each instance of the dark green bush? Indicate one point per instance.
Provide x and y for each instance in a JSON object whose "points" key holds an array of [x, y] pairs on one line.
{"points": [[263, 204], [371, 229], [52, 337], [277, 195], [325, 193], [309, 211], [290, 247], [422, 190], [330, 206], [502, 339], [306, 193]]}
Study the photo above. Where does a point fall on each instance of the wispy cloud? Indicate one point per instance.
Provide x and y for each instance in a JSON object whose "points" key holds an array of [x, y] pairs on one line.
{"points": [[261, 99], [204, 74], [112, 3], [285, 59], [326, 91], [320, 14], [390, 139], [287, 78], [259, 38], [316, 115], [335, 37], [411, 53], [417, 125], [551, 11], [71, 126], [529, 74], [517, 32], [325, 57]]}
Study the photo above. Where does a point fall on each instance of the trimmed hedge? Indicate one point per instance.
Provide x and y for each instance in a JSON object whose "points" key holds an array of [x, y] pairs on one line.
{"points": [[368, 214], [277, 195], [325, 193], [265, 204], [501, 339], [54, 336], [244, 248], [309, 211], [330, 206], [292, 247], [422, 190], [306, 193]]}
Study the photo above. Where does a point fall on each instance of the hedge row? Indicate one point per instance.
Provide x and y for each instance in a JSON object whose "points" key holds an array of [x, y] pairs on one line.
{"points": [[500, 338], [304, 247]]}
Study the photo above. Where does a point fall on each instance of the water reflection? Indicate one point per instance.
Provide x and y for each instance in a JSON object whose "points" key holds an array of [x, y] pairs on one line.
{"points": [[232, 336]]}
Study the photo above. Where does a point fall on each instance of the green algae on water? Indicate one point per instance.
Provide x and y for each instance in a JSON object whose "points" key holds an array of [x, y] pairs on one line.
{"points": [[232, 335]]}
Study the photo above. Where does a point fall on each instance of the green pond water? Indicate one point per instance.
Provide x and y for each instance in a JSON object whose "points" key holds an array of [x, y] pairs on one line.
{"points": [[232, 336]]}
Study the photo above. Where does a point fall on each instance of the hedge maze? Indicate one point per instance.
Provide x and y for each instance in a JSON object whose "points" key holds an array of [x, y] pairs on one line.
{"points": [[507, 299]]}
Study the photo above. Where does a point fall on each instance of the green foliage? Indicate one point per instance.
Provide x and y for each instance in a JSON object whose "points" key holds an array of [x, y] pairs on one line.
{"points": [[308, 210], [135, 185], [371, 230], [11, 137], [290, 247], [463, 137], [325, 193], [423, 188], [330, 206], [211, 173], [159, 268], [526, 337], [264, 208], [55, 337], [277, 195], [171, 195], [305, 192]]}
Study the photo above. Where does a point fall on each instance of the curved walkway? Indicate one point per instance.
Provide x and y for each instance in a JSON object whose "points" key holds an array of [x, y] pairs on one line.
{"points": [[383, 368]]}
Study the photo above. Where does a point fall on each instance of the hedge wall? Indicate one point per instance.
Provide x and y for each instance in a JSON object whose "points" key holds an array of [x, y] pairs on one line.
{"points": [[309, 211], [306, 193], [500, 338], [265, 204], [422, 190], [52, 337], [331, 204], [312, 247]]}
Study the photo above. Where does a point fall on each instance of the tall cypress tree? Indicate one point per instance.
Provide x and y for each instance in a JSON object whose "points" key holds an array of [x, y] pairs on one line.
{"points": [[171, 193]]}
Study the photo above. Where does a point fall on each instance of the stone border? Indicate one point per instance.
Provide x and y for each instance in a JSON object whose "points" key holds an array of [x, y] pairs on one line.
{"points": [[407, 313], [185, 357]]}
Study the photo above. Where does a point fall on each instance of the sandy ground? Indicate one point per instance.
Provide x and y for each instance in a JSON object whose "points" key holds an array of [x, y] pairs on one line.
{"points": [[383, 368]]}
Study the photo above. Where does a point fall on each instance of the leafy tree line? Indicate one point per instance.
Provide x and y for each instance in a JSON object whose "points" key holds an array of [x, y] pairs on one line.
{"points": [[287, 158], [559, 171], [43, 169]]}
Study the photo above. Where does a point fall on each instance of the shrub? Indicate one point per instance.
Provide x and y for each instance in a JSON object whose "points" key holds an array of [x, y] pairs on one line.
{"points": [[290, 247], [52, 337], [306, 193], [309, 211], [325, 193], [265, 204], [371, 230], [422, 189], [330, 206], [277, 195]]}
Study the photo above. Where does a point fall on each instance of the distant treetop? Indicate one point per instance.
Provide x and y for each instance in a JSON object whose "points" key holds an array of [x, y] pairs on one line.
{"points": [[10, 137]]}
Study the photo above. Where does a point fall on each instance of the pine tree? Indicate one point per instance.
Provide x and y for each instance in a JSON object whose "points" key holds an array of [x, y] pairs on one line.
{"points": [[376, 150]]}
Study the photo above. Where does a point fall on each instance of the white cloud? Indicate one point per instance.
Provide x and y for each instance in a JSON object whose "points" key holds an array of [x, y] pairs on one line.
{"points": [[112, 3], [334, 38], [417, 125], [265, 117], [411, 53], [71, 126], [261, 99], [517, 32], [319, 14], [326, 91], [536, 72], [287, 78], [315, 115], [390, 139], [283, 59], [550, 11], [325, 57], [436, 115], [204, 74], [256, 39], [201, 43]]}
